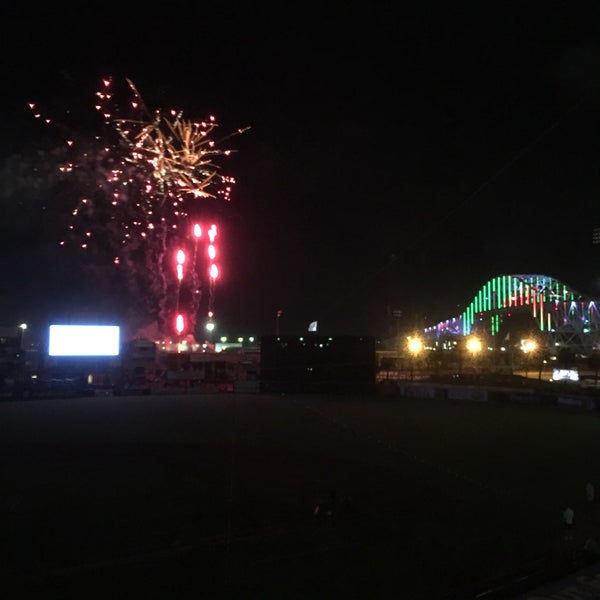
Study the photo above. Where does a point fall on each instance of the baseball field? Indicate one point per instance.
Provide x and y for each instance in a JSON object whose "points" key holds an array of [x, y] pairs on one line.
{"points": [[291, 496]]}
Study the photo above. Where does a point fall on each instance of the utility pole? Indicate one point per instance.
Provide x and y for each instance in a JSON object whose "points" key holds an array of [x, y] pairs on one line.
{"points": [[397, 314]]}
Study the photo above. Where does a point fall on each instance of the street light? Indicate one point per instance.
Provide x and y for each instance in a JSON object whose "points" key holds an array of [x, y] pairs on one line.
{"points": [[23, 328], [415, 346], [474, 347], [528, 347]]}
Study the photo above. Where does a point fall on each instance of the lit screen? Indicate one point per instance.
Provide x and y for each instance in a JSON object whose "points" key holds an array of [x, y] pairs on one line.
{"points": [[565, 375], [84, 340]]}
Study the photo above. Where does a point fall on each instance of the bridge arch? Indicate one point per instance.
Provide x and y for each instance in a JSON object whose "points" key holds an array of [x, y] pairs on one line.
{"points": [[564, 317]]}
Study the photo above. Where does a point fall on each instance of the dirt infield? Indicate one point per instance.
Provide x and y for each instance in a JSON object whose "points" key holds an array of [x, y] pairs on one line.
{"points": [[215, 495]]}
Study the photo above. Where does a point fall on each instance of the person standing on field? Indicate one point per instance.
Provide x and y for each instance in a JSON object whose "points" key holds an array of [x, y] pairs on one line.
{"points": [[590, 493]]}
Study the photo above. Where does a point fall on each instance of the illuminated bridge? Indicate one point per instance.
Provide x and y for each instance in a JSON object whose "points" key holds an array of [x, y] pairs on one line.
{"points": [[560, 316]]}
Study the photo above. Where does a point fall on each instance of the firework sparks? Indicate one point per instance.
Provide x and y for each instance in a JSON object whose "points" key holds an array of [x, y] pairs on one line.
{"points": [[177, 153], [144, 178]]}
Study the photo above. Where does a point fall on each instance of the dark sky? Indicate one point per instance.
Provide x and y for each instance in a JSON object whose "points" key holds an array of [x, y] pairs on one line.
{"points": [[397, 159]]}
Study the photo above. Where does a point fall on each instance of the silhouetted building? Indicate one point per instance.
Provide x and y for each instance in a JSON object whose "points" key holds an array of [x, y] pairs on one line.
{"points": [[318, 363]]}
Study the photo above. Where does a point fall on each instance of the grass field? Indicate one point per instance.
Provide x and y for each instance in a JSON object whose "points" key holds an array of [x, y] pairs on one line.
{"points": [[212, 496]]}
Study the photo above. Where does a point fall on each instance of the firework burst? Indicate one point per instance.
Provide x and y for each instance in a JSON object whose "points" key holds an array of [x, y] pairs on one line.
{"points": [[144, 182]]}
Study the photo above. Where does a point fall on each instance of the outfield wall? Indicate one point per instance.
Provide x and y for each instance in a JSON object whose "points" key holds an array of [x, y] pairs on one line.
{"points": [[498, 394]]}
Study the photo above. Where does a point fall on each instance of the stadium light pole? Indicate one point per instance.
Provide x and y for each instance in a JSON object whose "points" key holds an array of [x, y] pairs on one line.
{"points": [[210, 327]]}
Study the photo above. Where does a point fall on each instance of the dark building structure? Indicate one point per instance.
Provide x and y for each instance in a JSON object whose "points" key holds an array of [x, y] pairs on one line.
{"points": [[318, 363]]}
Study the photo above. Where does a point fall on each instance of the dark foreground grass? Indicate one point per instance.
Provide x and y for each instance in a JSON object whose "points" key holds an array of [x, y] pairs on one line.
{"points": [[213, 496]]}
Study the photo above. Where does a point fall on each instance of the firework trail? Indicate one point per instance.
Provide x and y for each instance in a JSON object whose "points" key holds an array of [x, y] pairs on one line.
{"points": [[144, 181]]}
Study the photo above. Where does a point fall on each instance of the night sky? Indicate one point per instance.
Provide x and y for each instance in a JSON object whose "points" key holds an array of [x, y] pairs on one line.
{"points": [[396, 160]]}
